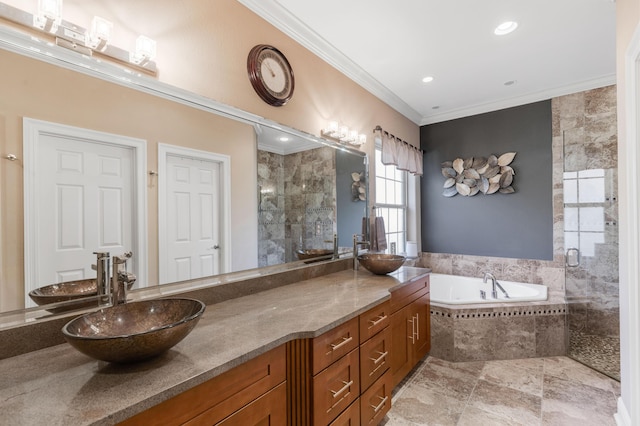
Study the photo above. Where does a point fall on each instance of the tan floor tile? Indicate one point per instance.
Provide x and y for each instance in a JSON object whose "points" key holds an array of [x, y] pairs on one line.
{"points": [[454, 380], [521, 374], [571, 400], [419, 406], [475, 417], [517, 406], [568, 369]]}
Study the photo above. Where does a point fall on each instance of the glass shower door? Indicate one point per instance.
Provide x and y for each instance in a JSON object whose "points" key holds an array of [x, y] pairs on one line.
{"points": [[591, 269]]}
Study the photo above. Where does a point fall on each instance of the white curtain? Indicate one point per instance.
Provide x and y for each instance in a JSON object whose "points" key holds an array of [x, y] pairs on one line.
{"points": [[401, 154]]}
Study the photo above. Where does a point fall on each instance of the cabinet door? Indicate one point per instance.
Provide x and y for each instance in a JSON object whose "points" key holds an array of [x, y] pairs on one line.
{"points": [[376, 401], [375, 357], [349, 417], [334, 344], [268, 410], [401, 335], [420, 318], [374, 321], [335, 388]]}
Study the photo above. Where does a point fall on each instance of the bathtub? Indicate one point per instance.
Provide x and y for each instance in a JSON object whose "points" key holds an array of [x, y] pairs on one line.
{"points": [[459, 290]]}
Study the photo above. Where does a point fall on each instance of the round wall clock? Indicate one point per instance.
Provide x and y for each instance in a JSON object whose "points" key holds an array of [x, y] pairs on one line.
{"points": [[270, 74]]}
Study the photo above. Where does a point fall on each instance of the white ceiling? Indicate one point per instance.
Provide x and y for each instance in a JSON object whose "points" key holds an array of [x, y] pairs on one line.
{"points": [[560, 47]]}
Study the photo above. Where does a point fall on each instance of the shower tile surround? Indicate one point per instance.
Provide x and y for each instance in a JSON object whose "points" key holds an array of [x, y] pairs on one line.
{"points": [[584, 131], [297, 205]]}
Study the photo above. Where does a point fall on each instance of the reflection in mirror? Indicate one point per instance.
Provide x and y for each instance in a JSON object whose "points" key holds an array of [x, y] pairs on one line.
{"points": [[37, 88], [306, 191]]}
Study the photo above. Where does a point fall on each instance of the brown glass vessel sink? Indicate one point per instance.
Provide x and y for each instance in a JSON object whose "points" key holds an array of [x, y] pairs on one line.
{"points": [[381, 263], [68, 291], [133, 331], [313, 253]]}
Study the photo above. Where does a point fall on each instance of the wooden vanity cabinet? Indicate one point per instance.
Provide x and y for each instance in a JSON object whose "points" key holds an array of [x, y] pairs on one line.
{"points": [[410, 327], [375, 362], [253, 393]]}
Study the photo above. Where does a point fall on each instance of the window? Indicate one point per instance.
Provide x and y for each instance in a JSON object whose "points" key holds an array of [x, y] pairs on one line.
{"points": [[584, 210], [391, 202]]}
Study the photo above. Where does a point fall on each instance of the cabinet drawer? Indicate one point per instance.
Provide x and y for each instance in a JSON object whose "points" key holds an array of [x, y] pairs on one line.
{"points": [[407, 293], [376, 401], [330, 346], [335, 388], [349, 417], [375, 358], [374, 320], [229, 391], [268, 410]]}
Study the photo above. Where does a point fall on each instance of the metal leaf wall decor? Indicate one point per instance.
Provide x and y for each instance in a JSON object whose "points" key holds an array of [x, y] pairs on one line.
{"points": [[470, 176]]}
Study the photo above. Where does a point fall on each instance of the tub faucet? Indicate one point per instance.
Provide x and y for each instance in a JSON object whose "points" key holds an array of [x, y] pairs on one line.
{"points": [[495, 285], [357, 242]]}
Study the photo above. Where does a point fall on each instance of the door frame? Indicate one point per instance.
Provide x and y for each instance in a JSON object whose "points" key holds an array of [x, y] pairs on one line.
{"points": [[32, 130], [224, 161], [629, 156]]}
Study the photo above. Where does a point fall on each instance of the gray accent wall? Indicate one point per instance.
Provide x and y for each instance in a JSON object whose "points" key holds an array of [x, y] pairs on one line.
{"points": [[518, 225], [349, 212]]}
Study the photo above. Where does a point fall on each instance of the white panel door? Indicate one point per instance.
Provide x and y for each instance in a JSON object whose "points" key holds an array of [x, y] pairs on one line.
{"points": [[193, 218], [85, 205]]}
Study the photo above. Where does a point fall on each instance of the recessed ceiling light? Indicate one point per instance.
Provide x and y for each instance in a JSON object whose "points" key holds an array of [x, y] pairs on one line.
{"points": [[284, 139], [435, 107], [510, 83], [427, 79], [505, 28]]}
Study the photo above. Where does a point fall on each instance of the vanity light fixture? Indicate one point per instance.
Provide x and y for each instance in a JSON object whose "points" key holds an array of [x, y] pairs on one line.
{"points": [[343, 134], [505, 28], [145, 50], [100, 33], [49, 15], [95, 41]]}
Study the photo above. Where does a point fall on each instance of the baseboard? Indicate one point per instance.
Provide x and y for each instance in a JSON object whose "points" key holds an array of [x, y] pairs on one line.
{"points": [[622, 417]]}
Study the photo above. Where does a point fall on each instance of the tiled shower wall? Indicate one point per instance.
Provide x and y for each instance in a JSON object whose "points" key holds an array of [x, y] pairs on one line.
{"points": [[584, 137], [588, 126], [297, 203]]}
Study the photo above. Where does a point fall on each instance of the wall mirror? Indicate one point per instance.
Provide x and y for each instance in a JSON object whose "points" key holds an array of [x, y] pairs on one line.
{"points": [[43, 78]]}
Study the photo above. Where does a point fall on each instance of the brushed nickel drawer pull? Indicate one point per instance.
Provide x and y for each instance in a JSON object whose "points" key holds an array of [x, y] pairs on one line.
{"points": [[378, 320], [379, 406], [344, 388], [345, 340], [413, 331], [380, 358]]}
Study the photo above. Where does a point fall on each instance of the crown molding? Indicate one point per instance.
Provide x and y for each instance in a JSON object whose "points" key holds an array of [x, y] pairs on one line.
{"points": [[285, 21], [606, 80]]}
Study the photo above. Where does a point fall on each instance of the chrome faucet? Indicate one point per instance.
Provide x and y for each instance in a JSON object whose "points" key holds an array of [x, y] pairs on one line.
{"points": [[495, 285], [112, 287], [357, 242], [103, 277], [120, 278], [335, 245]]}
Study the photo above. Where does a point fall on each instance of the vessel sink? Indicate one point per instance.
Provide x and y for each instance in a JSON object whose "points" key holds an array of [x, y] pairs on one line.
{"points": [[67, 291], [133, 331], [312, 253], [381, 263]]}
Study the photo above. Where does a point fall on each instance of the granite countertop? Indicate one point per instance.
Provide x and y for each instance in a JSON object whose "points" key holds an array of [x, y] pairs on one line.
{"points": [[60, 386]]}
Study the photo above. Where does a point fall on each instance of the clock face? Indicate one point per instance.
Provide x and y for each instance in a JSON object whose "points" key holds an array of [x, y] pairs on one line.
{"points": [[270, 74]]}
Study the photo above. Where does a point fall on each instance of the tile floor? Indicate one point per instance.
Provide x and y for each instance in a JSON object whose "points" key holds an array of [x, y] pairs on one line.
{"points": [[535, 391]]}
